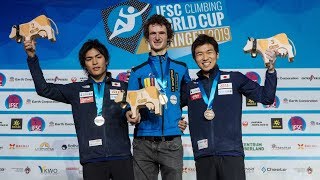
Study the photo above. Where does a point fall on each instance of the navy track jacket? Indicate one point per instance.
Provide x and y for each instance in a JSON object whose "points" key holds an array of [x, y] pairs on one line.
{"points": [[222, 135], [96, 143]]}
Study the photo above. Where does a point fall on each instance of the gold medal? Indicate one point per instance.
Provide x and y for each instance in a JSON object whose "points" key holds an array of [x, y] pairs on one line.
{"points": [[99, 120], [209, 114]]}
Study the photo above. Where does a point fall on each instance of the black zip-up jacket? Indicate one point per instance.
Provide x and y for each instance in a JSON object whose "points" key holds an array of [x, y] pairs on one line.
{"points": [[222, 135], [96, 143]]}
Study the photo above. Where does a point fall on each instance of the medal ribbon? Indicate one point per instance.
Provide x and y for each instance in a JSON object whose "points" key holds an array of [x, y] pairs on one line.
{"points": [[209, 101], [98, 95], [162, 82]]}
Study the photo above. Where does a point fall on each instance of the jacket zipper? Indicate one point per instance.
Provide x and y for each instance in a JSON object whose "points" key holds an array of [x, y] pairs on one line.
{"points": [[164, 90]]}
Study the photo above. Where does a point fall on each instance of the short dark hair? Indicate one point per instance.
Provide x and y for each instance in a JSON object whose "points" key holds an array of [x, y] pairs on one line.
{"points": [[203, 39], [92, 44], [161, 20]]}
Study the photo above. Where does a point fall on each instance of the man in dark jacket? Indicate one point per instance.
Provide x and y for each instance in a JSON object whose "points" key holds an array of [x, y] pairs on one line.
{"points": [[214, 102], [101, 126]]}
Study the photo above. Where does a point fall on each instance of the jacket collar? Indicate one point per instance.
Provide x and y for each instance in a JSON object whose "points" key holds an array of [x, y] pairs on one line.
{"points": [[212, 73], [156, 58], [107, 79]]}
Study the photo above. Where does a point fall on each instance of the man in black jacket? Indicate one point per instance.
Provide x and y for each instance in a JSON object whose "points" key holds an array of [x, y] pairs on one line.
{"points": [[100, 123], [214, 102]]}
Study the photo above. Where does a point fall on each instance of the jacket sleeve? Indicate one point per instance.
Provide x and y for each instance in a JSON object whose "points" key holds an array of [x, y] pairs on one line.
{"points": [[184, 96], [263, 94], [57, 92], [133, 83]]}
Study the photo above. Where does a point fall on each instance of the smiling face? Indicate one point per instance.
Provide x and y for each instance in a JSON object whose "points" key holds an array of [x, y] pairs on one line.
{"points": [[95, 64], [158, 39], [206, 58]]}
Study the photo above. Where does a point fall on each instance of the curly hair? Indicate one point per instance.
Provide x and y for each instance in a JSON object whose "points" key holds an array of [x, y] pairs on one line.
{"points": [[161, 20]]}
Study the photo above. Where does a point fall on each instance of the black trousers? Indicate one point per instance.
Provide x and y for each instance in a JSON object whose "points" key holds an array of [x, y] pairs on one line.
{"points": [[109, 170], [220, 168]]}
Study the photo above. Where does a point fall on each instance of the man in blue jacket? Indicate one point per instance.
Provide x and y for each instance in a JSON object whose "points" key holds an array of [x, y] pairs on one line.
{"points": [[214, 102], [157, 141], [101, 126]]}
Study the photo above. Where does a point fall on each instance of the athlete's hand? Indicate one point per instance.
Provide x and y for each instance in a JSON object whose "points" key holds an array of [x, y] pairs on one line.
{"points": [[30, 47], [131, 120]]}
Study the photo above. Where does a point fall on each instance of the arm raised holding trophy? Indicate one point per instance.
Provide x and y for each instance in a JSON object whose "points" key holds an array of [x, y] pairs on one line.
{"points": [[101, 126]]}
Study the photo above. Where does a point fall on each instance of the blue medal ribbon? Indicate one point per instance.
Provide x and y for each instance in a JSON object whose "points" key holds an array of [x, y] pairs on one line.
{"points": [[209, 101], [162, 82], [98, 95]]}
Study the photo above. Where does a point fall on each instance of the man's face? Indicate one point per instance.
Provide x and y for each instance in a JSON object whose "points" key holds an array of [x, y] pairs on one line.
{"points": [[206, 57], [95, 64], [158, 39]]}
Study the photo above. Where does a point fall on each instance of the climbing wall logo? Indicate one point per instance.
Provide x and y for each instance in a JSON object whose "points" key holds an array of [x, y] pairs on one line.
{"points": [[123, 22]]}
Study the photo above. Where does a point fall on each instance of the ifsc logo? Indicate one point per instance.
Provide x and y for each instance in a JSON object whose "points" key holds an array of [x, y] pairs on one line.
{"points": [[254, 76], [123, 22], [2, 79], [13, 101]]}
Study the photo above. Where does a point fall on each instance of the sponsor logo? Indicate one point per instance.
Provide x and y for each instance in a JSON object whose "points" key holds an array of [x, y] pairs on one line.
{"points": [[48, 171], [122, 76], [2, 79], [27, 170], [250, 102], [14, 101], [225, 86], [254, 76], [2, 124], [253, 147], [259, 123], [249, 169], [57, 79], [18, 146], [314, 123], [311, 78], [189, 169], [44, 101], [73, 79], [53, 124], [69, 146], [36, 124], [307, 146], [245, 123], [16, 123], [44, 147], [287, 101], [288, 78], [276, 123], [279, 148], [2, 170], [297, 123], [270, 169]]}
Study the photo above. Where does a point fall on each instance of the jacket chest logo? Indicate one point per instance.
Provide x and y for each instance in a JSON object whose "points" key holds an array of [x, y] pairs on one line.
{"points": [[195, 94], [86, 97]]}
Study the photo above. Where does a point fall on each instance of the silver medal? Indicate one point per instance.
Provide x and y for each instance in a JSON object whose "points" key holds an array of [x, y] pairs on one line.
{"points": [[99, 120], [209, 114]]}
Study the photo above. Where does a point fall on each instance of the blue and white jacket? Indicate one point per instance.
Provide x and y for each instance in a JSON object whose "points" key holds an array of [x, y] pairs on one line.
{"points": [[142, 76]]}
